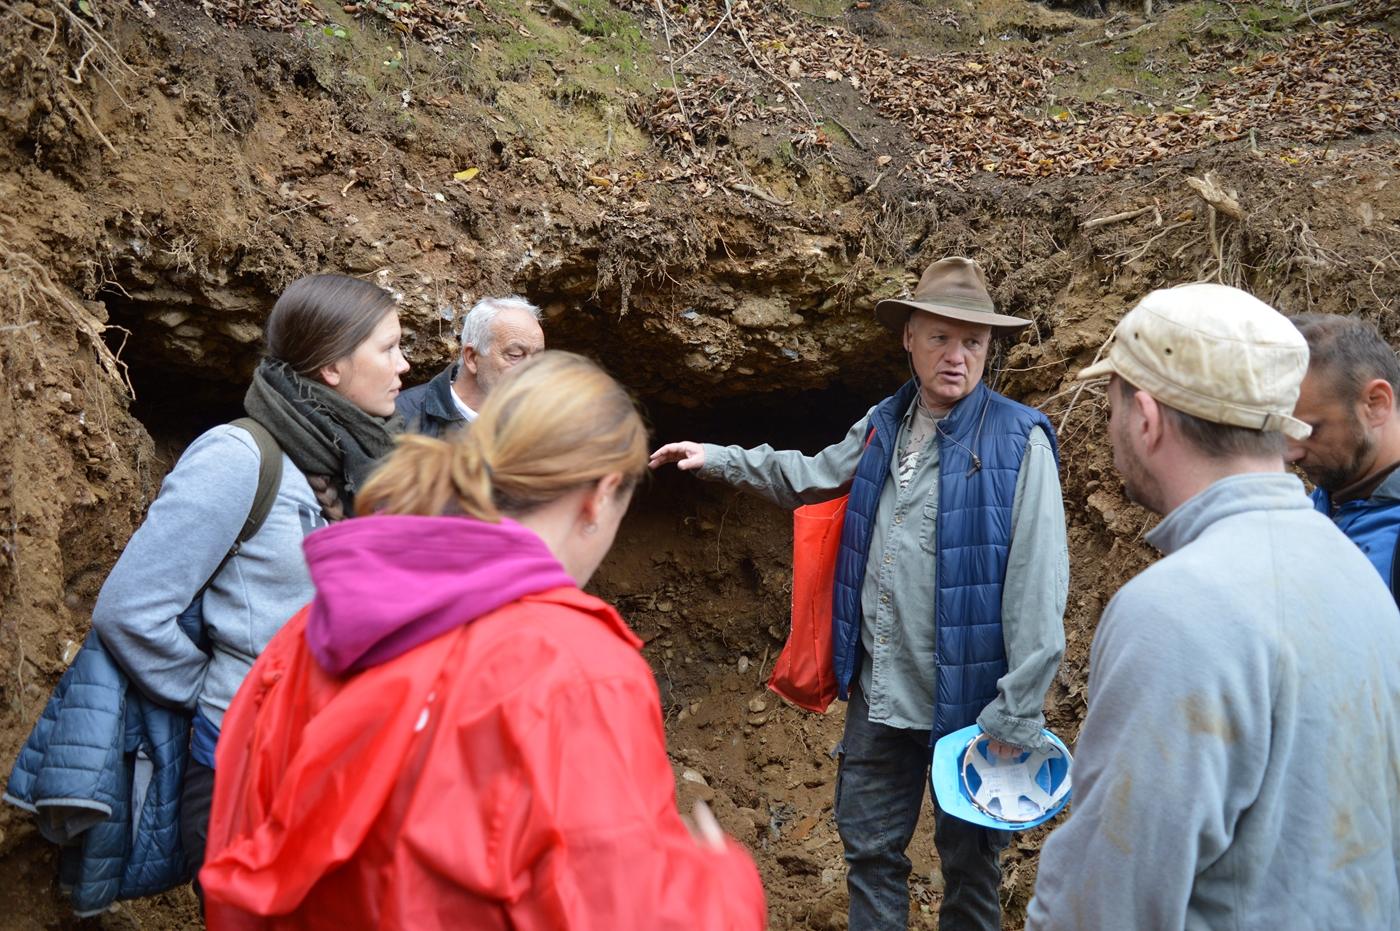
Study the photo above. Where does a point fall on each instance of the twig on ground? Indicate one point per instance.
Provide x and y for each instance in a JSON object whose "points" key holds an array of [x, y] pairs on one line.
{"points": [[1329, 9], [671, 66], [1210, 190], [845, 129], [760, 194], [1189, 244], [1032, 368], [1105, 40], [24, 276], [719, 535], [699, 45], [1079, 389], [77, 76], [91, 122], [52, 27], [300, 207], [1120, 217], [787, 87], [1214, 245], [92, 35], [1140, 251]]}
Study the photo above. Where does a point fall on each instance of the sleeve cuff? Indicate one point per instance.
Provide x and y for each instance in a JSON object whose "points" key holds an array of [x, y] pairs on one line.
{"points": [[716, 461], [1019, 732]]}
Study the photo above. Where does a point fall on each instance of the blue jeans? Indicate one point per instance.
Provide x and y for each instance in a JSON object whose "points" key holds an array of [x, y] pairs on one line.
{"points": [[879, 791]]}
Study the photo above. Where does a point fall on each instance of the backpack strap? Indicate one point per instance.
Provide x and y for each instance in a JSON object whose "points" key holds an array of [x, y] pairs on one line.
{"points": [[269, 480]]}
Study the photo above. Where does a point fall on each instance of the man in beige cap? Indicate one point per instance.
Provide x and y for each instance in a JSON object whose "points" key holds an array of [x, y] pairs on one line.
{"points": [[1238, 764], [949, 592]]}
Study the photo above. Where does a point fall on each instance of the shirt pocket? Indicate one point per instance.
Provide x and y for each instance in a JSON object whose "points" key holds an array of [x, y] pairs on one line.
{"points": [[928, 525]]}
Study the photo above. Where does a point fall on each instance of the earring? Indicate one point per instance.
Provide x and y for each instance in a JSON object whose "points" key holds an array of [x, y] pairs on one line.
{"points": [[590, 528]]}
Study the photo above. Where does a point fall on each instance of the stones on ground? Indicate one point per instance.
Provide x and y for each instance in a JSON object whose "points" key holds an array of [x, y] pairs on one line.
{"points": [[804, 827], [694, 786], [935, 881], [747, 823]]}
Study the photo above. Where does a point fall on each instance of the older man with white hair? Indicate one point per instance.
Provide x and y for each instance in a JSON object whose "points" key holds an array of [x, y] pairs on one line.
{"points": [[1239, 766], [498, 333]]}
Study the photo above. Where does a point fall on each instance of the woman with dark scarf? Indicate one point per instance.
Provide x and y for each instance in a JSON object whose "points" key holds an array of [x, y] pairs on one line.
{"points": [[325, 391]]}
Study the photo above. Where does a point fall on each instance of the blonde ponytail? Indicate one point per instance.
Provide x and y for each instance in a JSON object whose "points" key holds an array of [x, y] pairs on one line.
{"points": [[429, 476], [553, 424]]}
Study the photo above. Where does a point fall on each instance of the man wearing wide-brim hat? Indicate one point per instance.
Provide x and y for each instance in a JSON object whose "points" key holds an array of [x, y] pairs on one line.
{"points": [[949, 591]]}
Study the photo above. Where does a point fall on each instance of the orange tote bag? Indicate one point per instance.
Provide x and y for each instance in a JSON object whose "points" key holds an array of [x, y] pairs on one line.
{"points": [[804, 673]]}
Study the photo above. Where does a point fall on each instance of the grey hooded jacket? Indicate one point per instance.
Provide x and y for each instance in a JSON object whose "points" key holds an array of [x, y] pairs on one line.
{"points": [[1239, 767], [189, 529]]}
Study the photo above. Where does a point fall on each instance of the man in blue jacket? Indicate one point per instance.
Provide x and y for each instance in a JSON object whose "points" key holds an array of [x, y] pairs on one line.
{"points": [[949, 593], [1349, 399]]}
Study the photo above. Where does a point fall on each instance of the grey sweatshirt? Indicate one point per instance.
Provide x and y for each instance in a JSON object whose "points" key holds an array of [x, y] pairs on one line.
{"points": [[192, 524], [899, 674], [1239, 767]]}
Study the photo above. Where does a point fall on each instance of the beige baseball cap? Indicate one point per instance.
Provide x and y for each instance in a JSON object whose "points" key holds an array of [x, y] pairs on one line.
{"points": [[1215, 352]]}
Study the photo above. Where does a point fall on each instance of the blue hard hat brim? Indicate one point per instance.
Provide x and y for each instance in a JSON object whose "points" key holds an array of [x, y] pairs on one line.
{"points": [[945, 776]]}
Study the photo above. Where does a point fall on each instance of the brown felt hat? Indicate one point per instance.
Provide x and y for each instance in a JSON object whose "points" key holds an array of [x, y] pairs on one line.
{"points": [[954, 288]]}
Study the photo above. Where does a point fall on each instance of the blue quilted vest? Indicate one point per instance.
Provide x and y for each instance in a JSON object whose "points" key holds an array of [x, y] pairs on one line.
{"points": [[1373, 524], [974, 540]]}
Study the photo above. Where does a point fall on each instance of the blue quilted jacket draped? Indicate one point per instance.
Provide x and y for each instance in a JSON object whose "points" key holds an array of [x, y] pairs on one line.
{"points": [[102, 772], [974, 541]]}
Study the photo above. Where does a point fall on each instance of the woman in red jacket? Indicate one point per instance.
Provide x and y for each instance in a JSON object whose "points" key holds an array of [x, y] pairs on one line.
{"points": [[452, 734]]}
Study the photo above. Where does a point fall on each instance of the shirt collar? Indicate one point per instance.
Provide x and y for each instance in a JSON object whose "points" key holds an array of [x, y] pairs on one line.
{"points": [[1236, 494], [467, 413]]}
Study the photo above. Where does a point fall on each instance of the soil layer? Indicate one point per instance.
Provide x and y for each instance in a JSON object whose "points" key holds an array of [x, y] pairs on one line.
{"points": [[707, 197]]}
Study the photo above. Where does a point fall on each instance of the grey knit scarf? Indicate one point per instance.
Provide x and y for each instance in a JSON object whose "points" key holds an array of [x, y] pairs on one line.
{"points": [[325, 434]]}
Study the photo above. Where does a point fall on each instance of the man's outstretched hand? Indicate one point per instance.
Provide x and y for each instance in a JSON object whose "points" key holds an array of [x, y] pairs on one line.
{"points": [[685, 455]]}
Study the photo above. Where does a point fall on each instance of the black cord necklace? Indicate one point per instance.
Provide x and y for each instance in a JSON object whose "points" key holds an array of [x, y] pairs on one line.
{"points": [[938, 421]]}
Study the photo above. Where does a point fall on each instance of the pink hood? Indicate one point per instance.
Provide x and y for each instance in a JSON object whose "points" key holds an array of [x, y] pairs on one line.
{"points": [[385, 584]]}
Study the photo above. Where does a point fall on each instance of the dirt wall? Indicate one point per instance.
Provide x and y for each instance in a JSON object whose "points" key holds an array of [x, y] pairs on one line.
{"points": [[719, 249]]}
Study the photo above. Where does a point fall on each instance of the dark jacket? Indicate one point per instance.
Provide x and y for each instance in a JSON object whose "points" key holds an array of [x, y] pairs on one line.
{"points": [[974, 540], [428, 408], [1373, 524], [101, 755]]}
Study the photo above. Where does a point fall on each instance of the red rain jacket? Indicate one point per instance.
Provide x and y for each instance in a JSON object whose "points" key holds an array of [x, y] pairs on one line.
{"points": [[511, 773]]}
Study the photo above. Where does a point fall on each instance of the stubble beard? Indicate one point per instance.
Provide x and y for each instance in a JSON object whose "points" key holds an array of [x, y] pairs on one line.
{"points": [[1334, 479]]}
